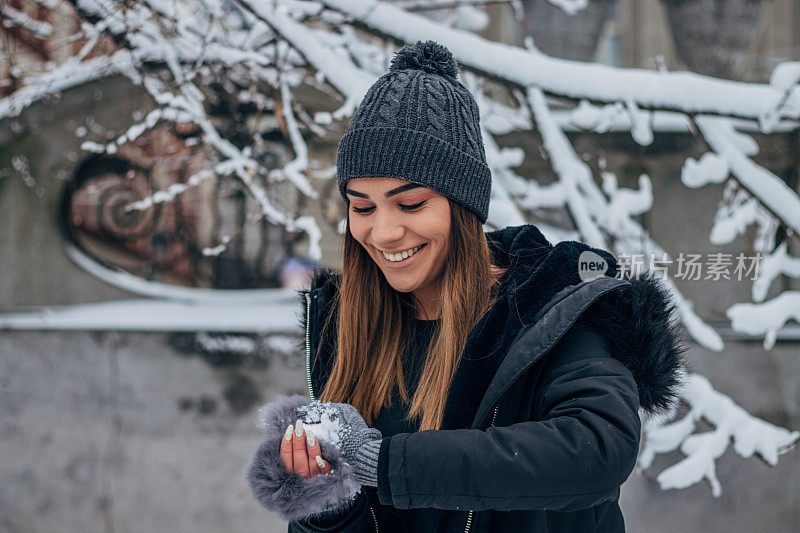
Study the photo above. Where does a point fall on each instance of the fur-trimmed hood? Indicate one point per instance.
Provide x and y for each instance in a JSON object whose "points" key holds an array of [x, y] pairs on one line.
{"points": [[634, 314]]}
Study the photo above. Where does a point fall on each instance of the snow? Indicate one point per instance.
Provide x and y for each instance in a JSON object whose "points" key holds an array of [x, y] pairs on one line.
{"points": [[281, 343], [766, 318], [730, 222], [13, 17], [768, 188], [785, 75], [171, 192], [249, 44], [570, 7], [322, 421], [568, 167], [348, 79], [711, 168], [136, 285], [784, 78], [226, 343], [160, 315], [294, 169], [640, 120], [625, 203], [775, 264], [69, 74], [750, 435]]}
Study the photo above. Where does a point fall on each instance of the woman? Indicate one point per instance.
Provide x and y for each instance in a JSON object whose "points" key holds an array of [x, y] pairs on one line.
{"points": [[480, 382]]}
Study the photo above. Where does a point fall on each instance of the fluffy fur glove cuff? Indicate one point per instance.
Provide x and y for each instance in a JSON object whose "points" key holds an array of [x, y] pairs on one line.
{"points": [[337, 428]]}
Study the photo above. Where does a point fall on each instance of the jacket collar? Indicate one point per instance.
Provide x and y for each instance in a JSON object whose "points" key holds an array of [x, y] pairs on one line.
{"points": [[634, 314]]}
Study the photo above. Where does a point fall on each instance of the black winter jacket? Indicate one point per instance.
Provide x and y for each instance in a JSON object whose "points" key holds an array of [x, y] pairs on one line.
{"points": [[541, 424]]}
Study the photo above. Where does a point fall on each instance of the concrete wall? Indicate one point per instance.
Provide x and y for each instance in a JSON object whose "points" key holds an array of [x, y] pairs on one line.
{"points": [[130, 432]]}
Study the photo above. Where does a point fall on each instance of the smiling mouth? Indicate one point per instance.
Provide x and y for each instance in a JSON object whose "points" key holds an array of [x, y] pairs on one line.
{"points": [[398, 258]]}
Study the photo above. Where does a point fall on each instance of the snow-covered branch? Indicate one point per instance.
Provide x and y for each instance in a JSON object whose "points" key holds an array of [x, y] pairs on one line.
{"points": [[731, 151], [601, 84], [13, 17], [66, 76], [750, 435], [614, 215]]}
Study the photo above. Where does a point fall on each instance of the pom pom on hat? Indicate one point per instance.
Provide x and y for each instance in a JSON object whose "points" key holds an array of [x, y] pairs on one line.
{"points": [[429, 56]]}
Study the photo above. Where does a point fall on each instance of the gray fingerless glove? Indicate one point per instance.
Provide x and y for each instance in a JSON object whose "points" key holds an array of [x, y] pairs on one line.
{"points": [[359, 444], [324, 496]]}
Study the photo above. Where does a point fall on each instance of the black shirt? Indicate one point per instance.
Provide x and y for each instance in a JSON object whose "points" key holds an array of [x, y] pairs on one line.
{"points": [[391, 420]]}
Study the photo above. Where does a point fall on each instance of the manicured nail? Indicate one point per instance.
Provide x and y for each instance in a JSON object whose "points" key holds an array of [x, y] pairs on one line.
{"points": [[320, 462], [310, 438], [288, 434], [298, 428]]}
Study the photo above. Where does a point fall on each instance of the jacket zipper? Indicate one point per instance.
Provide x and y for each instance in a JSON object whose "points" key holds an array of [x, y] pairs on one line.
{"points": [[374, 519], [469, 515], [308, 345]]}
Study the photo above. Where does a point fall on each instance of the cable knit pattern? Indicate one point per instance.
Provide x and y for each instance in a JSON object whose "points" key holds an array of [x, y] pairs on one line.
{"points": [[419, 123], [435, 109], [470, 133]]}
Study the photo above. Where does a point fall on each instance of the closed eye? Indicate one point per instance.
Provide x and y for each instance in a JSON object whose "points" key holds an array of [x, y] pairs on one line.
{"points": [[367, 210]]}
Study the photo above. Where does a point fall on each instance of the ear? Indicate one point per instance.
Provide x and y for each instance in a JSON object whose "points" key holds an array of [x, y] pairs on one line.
{"points": [[289, 494]]}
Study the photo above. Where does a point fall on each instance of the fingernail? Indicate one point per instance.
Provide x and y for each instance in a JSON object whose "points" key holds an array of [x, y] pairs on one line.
{"points": [[298, 428], [311, 439], [288, 434], [320, 462]]}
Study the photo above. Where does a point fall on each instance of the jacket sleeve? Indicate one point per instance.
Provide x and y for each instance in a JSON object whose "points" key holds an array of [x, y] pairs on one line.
{"points": [[579, 449], [353, 518]]}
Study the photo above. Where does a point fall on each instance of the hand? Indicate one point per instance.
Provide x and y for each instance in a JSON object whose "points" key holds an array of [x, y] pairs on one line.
{"points": [[300, 452]]}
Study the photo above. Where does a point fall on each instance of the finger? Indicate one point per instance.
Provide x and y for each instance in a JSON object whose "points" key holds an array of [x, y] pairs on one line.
{"points": [[312, 447], [286, 448], [323, 466], [300, 455], [317, 463]]}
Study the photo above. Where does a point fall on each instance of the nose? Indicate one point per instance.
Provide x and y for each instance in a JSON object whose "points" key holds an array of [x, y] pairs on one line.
{"points": [[386, 230]]}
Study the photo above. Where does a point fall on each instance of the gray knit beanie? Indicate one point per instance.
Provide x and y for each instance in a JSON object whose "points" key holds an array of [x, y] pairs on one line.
{"points": [[419, 123]]}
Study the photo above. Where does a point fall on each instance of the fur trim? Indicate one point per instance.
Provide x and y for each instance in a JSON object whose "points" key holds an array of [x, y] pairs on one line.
{"points": [[289, 494], [640, 323]]}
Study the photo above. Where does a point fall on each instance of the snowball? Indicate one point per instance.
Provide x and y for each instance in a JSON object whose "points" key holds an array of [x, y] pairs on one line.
{"points": [[322, 420]]}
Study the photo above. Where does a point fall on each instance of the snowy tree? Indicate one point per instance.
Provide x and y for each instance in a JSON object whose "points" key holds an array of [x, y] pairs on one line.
{"points": [[255, 56]]}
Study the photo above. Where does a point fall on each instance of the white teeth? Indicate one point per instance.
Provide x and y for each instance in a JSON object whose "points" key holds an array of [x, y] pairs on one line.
{"points": [[402, 255]]}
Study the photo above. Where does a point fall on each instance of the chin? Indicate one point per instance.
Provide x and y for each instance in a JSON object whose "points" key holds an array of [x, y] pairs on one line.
{"points": [[399, 285]]}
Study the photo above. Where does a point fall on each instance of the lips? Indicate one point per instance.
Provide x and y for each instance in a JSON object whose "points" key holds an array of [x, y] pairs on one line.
{"points": [[416, 249], [404, 262]]}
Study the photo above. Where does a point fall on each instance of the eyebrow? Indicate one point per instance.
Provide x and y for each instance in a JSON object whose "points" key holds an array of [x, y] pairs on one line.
{"points": [[398, 190]]}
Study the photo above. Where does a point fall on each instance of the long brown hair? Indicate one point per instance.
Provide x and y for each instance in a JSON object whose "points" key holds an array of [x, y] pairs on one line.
{"points": [[376, 322]]}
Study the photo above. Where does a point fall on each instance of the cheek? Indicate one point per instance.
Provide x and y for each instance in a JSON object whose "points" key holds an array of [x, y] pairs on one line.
{"points": [[437, 223], [357, 228]]}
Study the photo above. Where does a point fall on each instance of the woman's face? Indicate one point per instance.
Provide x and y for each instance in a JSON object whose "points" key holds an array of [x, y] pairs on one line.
{"points": [[393, 215]]}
